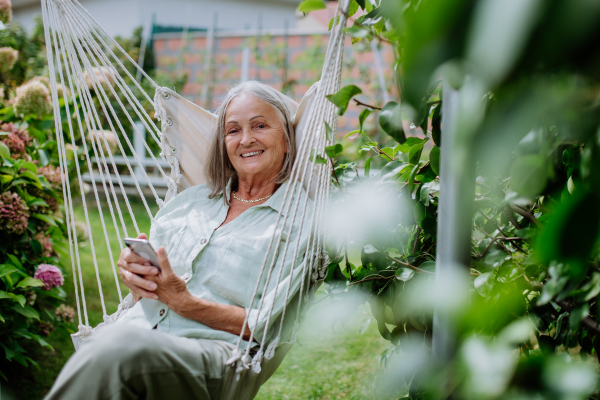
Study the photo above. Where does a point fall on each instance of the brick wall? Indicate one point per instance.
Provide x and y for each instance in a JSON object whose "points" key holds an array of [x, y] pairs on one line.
{"points": [[302, 53]]}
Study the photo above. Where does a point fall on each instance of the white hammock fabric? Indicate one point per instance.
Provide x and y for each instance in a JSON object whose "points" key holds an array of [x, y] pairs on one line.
{"points": [[104, 97]]}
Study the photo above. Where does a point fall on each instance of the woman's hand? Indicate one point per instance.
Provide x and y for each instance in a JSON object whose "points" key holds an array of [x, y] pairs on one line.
{"points": [[134, 271], [170, 288]]}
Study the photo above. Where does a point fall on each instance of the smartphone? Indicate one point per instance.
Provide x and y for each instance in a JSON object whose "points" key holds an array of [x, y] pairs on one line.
{"points": [[142, 248]]}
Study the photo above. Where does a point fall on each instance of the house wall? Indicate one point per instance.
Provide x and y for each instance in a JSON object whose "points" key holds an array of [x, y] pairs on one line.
{"points": [[121, 17], [304, 57]]}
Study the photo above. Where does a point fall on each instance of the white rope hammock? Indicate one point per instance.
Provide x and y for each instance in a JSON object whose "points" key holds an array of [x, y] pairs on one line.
{"points": [[104, 97]]}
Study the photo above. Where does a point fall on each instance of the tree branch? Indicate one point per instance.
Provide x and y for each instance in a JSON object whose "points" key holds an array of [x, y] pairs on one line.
{"points": [[511, 218], [416, 239], [525, 214], [375, 278], [360, 103], [407, 265], [496, 239], [334, 174], [587, 321]]}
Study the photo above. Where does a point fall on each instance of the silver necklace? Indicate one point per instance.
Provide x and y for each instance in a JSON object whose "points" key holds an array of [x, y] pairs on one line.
{"points": [[251, 201]]}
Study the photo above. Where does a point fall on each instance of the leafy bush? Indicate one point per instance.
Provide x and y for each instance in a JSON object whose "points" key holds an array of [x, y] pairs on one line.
{"points": [[32, 230], [32, 236], [529, 146]]}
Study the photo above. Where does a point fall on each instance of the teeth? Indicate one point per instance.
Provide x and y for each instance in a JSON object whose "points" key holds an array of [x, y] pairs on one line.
{"points": [[254, 153]]}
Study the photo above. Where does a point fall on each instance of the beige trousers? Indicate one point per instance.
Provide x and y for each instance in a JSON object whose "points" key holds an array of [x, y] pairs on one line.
{"points": [[126, 362]]}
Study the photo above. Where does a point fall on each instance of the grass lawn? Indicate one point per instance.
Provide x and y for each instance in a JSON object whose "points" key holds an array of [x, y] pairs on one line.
{"points": [[329, 363]]}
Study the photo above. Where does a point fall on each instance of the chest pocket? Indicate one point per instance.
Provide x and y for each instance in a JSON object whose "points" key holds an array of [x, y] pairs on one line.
{"points": [[171, 240], [236, 276]]}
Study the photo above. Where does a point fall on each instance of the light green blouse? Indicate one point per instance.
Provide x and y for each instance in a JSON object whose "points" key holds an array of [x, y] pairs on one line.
{"points": [[222, 265]]}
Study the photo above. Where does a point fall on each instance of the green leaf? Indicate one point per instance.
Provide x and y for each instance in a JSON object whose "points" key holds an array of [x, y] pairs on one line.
{"points": [[36, 201], [30, 282], [372, 17], [317, 159], [45, 218], [559, 323], [484, 283], [4, 295], [334, 151], [424, 195], [392, 168], [420, 214], [389, 152], [26, 311], [6, 269], [415, 153], [337, 21], [19, 298], [353, 8], [15, 261], [44, 159], [4, 150], [29, 175], [368, 166], [390, 120], [529, 175], [577, 315], [361, 3], [343, 97], [434, 160], [352, 133], [572, 230], [30, 167], [311, 5], [4, 179], [404, 274], [329, 134], [363, 116]]}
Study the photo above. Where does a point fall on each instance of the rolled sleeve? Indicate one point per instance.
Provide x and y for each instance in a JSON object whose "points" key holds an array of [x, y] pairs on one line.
{"points": [[276, 299]]}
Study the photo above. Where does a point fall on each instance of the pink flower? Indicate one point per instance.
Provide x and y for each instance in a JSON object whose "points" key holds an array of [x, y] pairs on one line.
{"points": [[5, 11], [14, 213], [65, 313], [51, 173], [16, 140], [50, 275], [47, 249], [46, 327], [8, 56]]}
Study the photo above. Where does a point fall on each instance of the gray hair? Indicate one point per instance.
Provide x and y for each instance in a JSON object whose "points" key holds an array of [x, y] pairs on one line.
{"points": [[218, 168]]}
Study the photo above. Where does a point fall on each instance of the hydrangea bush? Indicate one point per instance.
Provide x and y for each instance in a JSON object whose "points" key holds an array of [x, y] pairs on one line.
{"points": [[32, 230]]}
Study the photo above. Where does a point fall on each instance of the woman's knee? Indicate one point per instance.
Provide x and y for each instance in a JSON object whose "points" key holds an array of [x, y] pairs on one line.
{"points": [[117, 345]]}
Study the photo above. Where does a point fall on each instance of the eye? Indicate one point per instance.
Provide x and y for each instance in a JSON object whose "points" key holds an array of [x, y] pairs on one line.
{"points": [[232, 131], [261, 125]]}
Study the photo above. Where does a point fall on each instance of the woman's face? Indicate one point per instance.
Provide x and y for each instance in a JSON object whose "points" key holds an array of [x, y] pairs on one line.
{"points": [[254, 138]]}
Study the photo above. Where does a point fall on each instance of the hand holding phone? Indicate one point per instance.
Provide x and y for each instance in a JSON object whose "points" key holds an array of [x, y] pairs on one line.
{"points": [[142, 248]]}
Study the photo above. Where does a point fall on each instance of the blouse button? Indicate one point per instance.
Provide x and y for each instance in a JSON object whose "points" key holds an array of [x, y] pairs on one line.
{"points": [[162, 312], [186, 277], [203, 241]]}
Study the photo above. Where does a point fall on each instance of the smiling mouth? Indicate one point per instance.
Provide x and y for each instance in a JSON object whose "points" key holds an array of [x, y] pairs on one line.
{"points": [[252, 154]]}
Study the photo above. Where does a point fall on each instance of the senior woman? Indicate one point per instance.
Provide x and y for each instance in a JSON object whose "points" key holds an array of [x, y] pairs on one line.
{"points": [[211, 240]]}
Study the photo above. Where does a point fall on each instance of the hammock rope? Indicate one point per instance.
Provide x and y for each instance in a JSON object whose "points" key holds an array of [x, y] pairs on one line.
{"points": [[83, 58]]}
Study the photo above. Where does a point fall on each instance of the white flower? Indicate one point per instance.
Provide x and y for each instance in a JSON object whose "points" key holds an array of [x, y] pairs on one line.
{"points": [[8, 57]]}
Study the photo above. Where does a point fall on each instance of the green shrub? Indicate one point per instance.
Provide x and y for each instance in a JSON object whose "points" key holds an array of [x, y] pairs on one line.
{"points": [[32, 236]]}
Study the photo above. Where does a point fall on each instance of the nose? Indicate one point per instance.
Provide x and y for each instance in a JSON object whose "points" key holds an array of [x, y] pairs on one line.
{"points": [[247, 137]]}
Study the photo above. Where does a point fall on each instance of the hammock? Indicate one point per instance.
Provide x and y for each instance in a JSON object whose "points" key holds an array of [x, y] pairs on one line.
{"points": [[85, 59]]}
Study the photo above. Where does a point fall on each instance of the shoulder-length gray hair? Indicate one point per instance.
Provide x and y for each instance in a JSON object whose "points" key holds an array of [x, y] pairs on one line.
{"points": [[218, 168]]}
